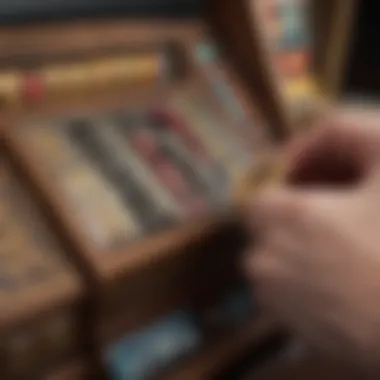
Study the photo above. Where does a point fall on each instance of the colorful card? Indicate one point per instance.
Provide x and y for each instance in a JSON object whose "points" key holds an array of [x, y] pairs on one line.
{"points": [[146, 354]]}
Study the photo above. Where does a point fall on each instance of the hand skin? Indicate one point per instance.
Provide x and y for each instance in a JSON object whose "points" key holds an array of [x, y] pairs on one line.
{"points": [[316, 261]]}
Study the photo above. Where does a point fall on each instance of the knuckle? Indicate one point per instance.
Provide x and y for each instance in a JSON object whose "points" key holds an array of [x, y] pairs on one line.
{"points": [[264, 266]]}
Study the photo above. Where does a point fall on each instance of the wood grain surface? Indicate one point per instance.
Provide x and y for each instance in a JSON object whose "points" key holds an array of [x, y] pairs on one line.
{"points": [[40, 291]]}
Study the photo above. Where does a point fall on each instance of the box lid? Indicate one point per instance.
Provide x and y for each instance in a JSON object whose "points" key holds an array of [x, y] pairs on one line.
{"points": [[233, 23], [241, 27]]}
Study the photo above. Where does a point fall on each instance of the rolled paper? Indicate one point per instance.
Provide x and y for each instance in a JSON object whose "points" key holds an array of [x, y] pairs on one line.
{"points": [[127, 158], [175, 152], [85, 76], [35, 85], [170, 119], [211, 170], [143, 138]]}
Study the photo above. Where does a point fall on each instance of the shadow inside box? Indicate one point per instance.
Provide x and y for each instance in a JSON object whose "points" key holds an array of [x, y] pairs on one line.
{"points": [[301, 363]]}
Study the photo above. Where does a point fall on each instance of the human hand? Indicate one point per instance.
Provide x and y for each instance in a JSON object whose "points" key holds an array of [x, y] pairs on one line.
{"points": [[316, 263]]}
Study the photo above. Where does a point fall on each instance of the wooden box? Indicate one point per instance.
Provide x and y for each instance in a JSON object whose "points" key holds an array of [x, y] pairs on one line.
{"points": [[41, 293], [134, 279]]}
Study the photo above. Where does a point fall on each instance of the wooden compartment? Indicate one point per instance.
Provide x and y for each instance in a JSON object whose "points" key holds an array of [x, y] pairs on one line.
{"points": [[42, 295], [219, 354], [196, 342], [301, 365], [135, 278]]}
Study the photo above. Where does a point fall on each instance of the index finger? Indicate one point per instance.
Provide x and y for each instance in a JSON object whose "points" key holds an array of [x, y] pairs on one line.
{"points": [[341, 149], [276, 208]]}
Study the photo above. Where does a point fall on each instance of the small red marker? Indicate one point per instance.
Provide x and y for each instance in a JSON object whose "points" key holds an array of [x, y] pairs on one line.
{"points": [[33, 89]]}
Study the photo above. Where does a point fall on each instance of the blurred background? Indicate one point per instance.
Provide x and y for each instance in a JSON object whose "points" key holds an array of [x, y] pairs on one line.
{"points": [[187, 312], [23, 10]]}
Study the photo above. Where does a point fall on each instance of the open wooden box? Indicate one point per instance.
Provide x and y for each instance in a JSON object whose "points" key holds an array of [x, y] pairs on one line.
{"points": [[156, 270], [132, 283]]}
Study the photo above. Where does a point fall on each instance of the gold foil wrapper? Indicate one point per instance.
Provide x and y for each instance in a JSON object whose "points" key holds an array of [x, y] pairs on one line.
{"points": [[125, 155], [98, 74], [268, 173]]}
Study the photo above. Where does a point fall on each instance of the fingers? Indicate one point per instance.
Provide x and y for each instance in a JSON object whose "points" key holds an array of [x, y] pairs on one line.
{"points": [[267, 274], [345, 144], [273, 259], [290, 228], [278, 219], [274, 279], [305, 214], [277, 208]]}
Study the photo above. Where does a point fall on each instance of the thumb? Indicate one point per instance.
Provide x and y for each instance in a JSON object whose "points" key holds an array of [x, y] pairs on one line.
{"points": [[372, 184], [342, 149], [272, 207]]}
